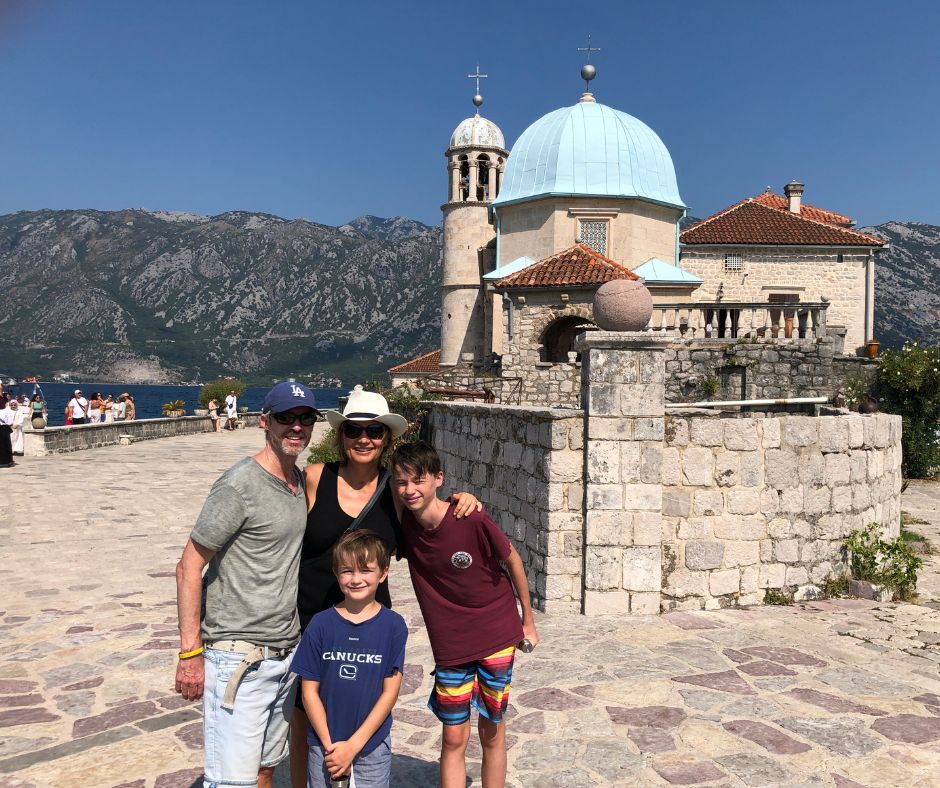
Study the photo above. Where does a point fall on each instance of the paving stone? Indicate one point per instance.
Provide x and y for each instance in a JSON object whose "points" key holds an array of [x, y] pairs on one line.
{"points": [[119, 715], [764, 668], [688, 773], [753, 769], [87, 684], [857, 681], [929, 698], [25, 716], [180, 779], [690, 621], [844, 736], [653, 740], [758, 708], [536, 756], [841, 781], [411, 678], [647, 716], [16, 686], [11, 745], [736, 656], [530, 723], [909, 728], [190, 735], [833, 703], [68, 674], [33, 699], [725, 681], [767, 737], [784, 656], [134, 784], [76, 704], [551, 699], [611, 759]]}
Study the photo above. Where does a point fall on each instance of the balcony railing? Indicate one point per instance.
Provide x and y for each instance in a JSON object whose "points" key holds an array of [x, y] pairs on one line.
{"points": [[740, 320]]}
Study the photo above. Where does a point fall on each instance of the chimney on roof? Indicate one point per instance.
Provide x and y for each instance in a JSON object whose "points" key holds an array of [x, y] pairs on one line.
{"points": [[794, 192]]}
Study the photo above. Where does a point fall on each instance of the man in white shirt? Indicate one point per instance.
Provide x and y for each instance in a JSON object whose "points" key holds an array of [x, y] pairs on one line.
{"points": [[6, 429], [78, 407], [231, 410]]}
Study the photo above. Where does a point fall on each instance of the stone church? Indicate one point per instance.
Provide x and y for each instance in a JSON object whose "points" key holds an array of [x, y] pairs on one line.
{"points": [[588, 194]]}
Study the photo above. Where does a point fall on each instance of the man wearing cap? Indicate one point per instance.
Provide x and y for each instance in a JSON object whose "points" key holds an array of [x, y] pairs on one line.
{"points": [[77, 408], [249, 533]]}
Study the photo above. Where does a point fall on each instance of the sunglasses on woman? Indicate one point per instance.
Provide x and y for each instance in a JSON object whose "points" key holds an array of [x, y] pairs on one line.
{"points": [[353, 431], [287, 418]]}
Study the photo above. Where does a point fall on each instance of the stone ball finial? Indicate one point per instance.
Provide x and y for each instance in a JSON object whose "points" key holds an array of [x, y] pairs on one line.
{"points": [[623, 305]]}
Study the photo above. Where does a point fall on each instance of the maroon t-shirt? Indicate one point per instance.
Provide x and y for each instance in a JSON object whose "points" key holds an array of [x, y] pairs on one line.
{"points": [[466, 599]]}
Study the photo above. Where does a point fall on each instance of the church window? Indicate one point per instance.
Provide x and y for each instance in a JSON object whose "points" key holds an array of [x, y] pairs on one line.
{"points": [[594, 234], [734, 262]]}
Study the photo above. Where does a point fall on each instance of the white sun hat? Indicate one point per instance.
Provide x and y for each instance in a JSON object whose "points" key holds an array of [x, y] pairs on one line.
{"points": [[367, 406]]}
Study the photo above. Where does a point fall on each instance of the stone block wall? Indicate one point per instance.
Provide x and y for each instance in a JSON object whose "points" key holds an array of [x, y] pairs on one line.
{"points": [[59, 440], [799, 368], [757, 503], [527, 467]]}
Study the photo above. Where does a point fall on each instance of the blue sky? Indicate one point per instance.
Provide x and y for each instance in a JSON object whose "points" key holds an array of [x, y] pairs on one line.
{"points": [[330, 110]]}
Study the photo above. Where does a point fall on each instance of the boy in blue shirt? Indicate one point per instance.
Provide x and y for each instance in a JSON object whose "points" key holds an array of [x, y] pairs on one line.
{"points": [[351, 659]]}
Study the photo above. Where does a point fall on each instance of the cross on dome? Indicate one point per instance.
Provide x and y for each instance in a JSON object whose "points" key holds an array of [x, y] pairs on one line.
{"points": [[588, 72]]}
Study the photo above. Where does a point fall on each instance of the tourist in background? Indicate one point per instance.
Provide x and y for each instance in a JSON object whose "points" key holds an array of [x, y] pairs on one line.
{"points": [[130, 410], [117, 409], [16, 428], [214, 415], [6, 427], [94, 408], [231, 410], [76, 411], [108, 409], [38, 412]]}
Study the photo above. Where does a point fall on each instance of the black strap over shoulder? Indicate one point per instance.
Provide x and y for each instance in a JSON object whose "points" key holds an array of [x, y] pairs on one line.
{"points": [[379, 488]]}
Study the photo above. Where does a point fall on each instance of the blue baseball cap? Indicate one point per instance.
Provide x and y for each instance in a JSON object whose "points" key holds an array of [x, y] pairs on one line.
{"points": [[288, 395]]}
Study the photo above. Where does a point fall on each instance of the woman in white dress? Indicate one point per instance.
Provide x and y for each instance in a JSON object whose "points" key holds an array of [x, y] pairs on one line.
{"points": [[16, 436]]}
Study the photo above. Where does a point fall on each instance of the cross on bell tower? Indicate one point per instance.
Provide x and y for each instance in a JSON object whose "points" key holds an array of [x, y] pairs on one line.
{"points": [[477, 98]]}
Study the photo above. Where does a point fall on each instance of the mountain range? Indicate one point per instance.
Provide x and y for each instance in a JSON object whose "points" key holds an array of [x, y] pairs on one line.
{"points": [[163, 296]]}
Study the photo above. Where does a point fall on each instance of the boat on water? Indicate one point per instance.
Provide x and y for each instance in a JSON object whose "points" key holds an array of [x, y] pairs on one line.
{"points": [[28, 386]]}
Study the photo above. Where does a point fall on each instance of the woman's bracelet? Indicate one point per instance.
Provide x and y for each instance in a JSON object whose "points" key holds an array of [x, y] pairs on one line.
{"points": [[190, 654]]}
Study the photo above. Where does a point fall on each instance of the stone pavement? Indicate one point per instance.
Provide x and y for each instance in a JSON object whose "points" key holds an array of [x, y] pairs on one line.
{"points": [[841, 693]]}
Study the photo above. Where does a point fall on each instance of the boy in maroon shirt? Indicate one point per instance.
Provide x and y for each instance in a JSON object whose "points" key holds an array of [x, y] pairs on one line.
{"points": [[469, 608]]}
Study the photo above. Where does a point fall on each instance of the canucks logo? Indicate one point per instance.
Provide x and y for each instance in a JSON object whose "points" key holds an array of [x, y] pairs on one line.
{"points": [[461, 560]]}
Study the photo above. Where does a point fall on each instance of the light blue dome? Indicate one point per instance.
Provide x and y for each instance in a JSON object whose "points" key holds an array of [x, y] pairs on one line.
{"points": [[589, 150]]}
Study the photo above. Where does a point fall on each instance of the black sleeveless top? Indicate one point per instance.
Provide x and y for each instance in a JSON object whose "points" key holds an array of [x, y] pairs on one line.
{"points": [[326, 523]]}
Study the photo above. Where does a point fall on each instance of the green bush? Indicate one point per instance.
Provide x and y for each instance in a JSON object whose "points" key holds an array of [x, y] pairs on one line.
{"points": [[325, 449], [891, 564], [854, 390], [909, 385], [218, 390]]}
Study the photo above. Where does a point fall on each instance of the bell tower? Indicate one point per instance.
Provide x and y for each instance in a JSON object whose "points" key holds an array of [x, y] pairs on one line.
{"points": [[475, 162]]}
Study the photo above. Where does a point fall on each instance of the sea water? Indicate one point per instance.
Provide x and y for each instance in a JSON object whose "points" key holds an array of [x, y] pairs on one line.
{"points": [[149, 400]]}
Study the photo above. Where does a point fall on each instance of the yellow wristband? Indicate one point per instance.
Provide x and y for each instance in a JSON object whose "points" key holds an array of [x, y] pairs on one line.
{"points": [[190, 654]]}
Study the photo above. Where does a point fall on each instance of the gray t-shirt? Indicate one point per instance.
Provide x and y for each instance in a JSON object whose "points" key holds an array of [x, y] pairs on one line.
{"points": [[256, 525]]}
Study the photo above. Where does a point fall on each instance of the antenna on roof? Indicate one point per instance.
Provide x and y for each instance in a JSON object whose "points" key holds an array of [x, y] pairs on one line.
{"points": [[477, 98], [588, 72]]}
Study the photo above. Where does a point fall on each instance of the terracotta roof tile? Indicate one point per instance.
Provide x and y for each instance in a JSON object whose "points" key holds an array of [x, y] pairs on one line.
{"points": [[807, 211], [752, 222], [428, 364], [576, 265]]}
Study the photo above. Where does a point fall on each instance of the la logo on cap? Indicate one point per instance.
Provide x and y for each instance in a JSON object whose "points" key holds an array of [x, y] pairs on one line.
{"points": [[297, 391]]}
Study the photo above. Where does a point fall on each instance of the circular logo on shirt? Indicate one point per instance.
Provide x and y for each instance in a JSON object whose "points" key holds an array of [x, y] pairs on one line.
{"points": [[461, 560]]}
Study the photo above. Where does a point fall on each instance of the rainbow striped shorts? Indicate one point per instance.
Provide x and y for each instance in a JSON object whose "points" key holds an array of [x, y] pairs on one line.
{"points": [[483, 683]]}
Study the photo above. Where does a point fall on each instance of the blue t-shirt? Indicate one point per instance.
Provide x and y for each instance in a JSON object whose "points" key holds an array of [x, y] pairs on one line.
{"points": [[351, 662]]}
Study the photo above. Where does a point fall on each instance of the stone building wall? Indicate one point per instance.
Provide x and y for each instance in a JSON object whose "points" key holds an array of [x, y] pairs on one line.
{"points": [[527, 377], [526, 466], [808, 272], [757, 503]]}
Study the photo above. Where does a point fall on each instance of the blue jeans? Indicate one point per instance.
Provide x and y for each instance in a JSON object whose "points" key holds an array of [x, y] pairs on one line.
{"points": [[254, 733], [372, 770]]}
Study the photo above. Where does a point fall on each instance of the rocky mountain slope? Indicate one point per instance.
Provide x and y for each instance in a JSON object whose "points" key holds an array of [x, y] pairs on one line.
{"points": [[143, 296], [907, 283], [166, 296]]}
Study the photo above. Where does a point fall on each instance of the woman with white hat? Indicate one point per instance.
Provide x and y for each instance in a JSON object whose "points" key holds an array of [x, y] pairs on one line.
{"points": [[352, 493]]}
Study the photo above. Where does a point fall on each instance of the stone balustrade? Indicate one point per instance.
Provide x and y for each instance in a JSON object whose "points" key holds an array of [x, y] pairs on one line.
{"points": [[77, 437], [756, 320]]}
